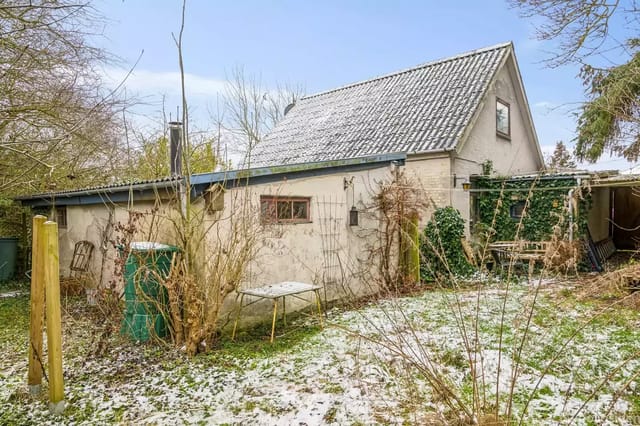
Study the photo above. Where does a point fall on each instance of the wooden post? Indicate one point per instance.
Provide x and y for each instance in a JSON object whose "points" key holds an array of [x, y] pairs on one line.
{"points": [[54, 330], [38, 245], [410, 249], [413, 255]]}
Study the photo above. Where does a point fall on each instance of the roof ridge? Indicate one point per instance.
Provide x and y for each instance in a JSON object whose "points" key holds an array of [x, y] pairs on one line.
{"points": [[406, 70]]}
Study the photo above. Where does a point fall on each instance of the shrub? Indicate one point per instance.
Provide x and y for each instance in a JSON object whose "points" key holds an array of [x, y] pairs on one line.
{"points": [[441, 246]]}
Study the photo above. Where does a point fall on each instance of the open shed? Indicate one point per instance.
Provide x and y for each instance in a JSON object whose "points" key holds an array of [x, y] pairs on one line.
{"points": [[615, 211]]}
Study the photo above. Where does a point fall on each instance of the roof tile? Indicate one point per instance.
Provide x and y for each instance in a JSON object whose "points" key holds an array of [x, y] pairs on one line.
{"points": [[421, 109]]}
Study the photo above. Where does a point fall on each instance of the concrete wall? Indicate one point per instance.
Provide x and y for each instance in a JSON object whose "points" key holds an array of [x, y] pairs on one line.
{"points": [[97, 224]]}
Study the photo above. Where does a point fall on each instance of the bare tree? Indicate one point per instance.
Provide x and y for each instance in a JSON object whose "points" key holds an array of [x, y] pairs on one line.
{"points": [[251, 110], [591, 33], [57, 120]]}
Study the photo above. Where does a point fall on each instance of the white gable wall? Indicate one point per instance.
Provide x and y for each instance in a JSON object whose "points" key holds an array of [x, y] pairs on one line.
{"points": [[516, 155]]}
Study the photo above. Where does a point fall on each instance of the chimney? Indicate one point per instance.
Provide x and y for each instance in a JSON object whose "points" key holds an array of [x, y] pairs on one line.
{"points": [[175, 140]]}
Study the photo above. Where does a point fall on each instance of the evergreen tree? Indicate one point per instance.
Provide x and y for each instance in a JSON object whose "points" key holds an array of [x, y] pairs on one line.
{"points": [[601, 37], [561, 158]]}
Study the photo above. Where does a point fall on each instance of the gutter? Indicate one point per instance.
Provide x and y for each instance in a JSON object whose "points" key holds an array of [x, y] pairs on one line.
{"points": [[200, 182], [101, 191]]}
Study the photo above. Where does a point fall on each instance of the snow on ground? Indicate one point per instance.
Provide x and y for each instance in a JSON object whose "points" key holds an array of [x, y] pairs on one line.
{"points": [[370, 365]]}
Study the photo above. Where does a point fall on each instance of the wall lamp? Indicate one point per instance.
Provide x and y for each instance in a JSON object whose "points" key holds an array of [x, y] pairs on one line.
{"points": [[353, 213], [466, 185]]}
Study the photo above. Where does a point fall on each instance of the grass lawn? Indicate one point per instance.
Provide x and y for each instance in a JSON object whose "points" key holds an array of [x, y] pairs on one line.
{"points": [[370, 365]]}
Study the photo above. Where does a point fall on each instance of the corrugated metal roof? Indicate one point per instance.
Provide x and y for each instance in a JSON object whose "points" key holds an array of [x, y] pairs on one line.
{"points": [[102, 188], [103, 193], [422, 109]]}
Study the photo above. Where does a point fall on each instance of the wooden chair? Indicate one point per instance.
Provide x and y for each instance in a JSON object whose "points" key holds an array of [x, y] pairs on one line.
{"points": [[81, 257]]}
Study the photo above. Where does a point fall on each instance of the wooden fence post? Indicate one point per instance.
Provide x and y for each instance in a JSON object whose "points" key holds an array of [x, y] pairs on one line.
{"points": [[410, 249], [54, 330], [38, 249]]}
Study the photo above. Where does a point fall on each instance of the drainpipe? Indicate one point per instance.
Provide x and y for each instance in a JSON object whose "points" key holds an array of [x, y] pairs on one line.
{"points": [[570, 195]]}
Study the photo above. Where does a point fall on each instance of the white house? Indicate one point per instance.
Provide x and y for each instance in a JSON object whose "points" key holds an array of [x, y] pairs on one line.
{"points": [[440, 122]]}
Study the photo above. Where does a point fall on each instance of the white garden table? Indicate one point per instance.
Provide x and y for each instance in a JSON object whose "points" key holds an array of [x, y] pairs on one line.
{"points": [[275, 292]]}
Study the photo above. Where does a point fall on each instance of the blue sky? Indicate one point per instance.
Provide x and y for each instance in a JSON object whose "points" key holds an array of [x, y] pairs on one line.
{"points": [[326, 44]]}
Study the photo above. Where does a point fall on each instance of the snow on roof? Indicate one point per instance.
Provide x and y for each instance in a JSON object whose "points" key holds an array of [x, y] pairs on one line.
{"points": [[421, 109]]}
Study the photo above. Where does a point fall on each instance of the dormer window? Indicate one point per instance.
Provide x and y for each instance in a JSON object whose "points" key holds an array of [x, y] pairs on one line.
{"points": [[503, 119]]}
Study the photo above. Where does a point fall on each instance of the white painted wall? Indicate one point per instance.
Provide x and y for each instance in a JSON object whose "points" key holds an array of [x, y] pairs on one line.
{"points": [[517, 155]]}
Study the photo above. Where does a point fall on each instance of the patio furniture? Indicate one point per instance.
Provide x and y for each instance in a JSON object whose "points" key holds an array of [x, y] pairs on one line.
{"points": [[274, 292], [81, 257], [519, 253]]}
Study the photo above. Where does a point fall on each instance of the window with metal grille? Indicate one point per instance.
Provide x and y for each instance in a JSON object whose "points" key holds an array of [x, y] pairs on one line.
{"points": [[281, 209], [61, 216]]}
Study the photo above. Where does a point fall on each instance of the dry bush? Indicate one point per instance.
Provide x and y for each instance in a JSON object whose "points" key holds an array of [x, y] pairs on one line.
{"points": [[562, 257], [610, 285], [397, 207], [71, 286], [216, 249]]}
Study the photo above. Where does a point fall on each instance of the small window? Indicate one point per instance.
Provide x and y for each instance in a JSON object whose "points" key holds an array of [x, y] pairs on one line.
{"points": [[517, 209], [503, 118], [61, 216], [285, 209]]}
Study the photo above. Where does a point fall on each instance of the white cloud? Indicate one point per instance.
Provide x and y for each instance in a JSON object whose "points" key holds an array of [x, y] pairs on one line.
{"points": [[145, 82], [545, 105], [157, 91]]}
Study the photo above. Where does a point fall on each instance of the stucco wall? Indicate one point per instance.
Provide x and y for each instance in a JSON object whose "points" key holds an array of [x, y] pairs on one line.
{"points": [[96, 223], [515, 155], [433, 173], [324, 251]]}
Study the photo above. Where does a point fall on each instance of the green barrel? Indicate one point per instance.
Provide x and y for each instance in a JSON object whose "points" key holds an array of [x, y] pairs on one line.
{"points": [[8, 256], [145, 298]]}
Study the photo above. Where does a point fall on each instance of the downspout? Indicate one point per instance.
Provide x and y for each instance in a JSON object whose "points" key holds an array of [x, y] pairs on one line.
{"points": [[570, 195]]}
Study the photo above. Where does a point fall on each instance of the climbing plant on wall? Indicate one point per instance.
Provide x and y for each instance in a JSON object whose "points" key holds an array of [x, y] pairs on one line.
{"points": [[540, 203], [441, 245]]}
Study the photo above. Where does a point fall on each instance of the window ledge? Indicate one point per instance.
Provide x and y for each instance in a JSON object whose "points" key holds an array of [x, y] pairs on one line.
{"points": [[504, 136]]}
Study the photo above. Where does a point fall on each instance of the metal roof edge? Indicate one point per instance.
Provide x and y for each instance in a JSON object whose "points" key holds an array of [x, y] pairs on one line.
{"points": [[94, 195], [294, 168]]}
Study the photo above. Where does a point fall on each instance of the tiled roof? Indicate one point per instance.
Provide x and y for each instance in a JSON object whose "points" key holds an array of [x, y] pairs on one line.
{"points": [[422, 109]]}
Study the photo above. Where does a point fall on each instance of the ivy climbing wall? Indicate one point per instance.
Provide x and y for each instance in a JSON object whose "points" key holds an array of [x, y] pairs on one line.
{"points": [[541, 203]]}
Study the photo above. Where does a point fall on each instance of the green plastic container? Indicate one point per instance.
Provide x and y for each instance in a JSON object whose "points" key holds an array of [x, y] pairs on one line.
{"points": [[145, 298], [8, 256]]}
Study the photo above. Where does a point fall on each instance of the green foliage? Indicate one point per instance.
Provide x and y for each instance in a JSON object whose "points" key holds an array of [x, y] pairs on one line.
{"points": [[10, 218], [561, 158], [487, 168], [441, 247], [203, 158], [609, 121], [544, 208], [153, 163]]}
